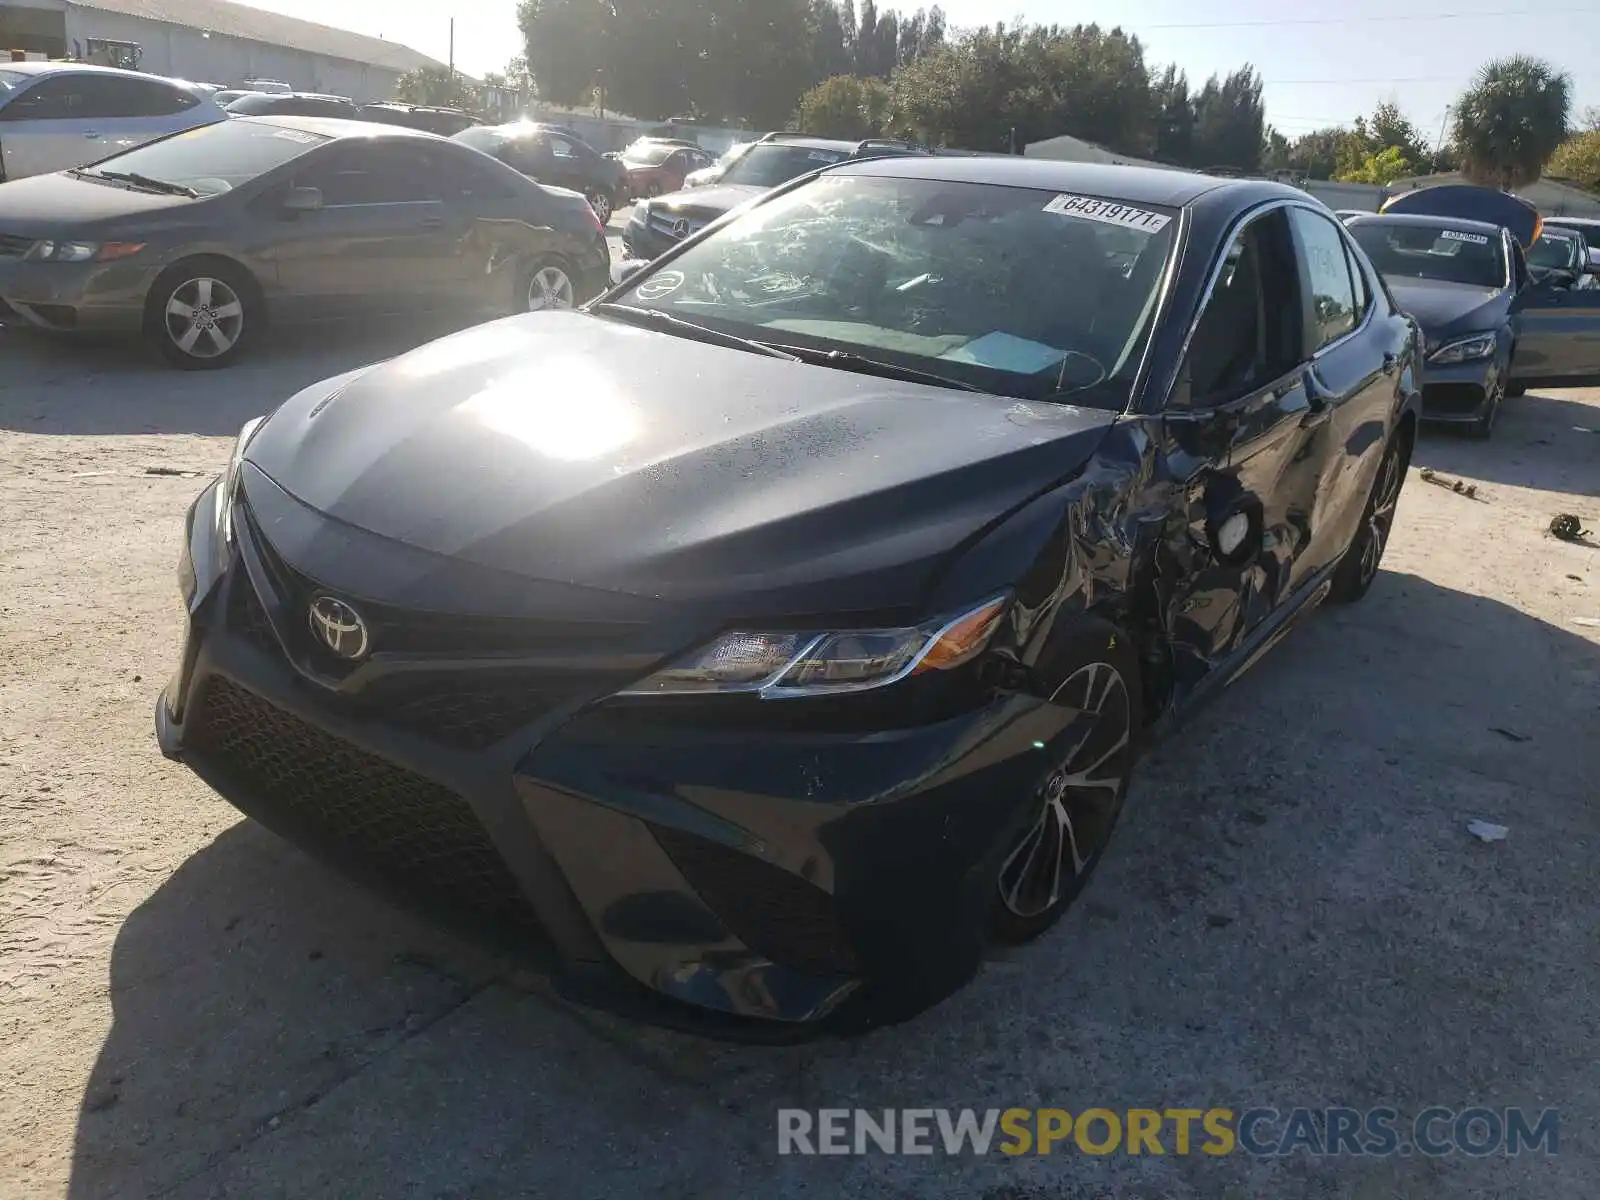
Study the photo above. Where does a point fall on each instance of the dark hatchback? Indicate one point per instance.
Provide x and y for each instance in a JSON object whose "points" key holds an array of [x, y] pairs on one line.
{"points": [[660, 223], [1491, 329], [757, 645], [543, 153], [199, 240]]}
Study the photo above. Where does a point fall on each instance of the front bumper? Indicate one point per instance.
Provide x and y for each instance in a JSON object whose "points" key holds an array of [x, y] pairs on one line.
{"points": [[641, 239], [91, 297], [752, 882], [1460, 392]]}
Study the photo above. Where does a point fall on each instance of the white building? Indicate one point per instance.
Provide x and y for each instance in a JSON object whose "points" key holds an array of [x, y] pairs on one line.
{"points": [[215, 41]]}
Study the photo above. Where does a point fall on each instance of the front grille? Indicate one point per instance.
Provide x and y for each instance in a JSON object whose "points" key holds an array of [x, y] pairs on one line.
{"points": [[774, 912], [1451, 399], [371, 816], [13, 246], [465, 710]]}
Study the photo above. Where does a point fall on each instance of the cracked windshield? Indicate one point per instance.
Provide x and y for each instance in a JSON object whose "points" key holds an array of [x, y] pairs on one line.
{"points": [[1011, 290]]}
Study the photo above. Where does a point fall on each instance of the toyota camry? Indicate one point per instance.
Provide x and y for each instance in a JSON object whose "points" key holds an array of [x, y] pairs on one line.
{"points": [[757, 645]]}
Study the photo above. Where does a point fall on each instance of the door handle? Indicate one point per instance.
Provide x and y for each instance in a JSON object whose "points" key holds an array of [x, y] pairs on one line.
{"points": [[1390, 361], [432, 222], [92, 133]]}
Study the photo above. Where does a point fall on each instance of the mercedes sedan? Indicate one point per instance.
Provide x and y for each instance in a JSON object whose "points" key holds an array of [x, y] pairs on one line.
{"points": [[760, 644]]}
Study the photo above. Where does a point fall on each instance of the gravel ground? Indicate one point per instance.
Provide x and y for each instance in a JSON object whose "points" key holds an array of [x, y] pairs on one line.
{"points": [[1292, 914]]}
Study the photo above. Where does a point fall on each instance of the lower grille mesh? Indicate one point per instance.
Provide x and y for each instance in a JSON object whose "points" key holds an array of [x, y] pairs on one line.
{"points": [[414, 835], [772, 911]]}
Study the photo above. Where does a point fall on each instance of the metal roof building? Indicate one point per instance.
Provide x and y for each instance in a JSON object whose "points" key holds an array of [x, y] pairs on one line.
{"points": [[216, 41]]}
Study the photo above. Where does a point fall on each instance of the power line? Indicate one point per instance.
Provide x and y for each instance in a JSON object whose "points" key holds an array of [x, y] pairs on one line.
{"points": [[1438, 16]]}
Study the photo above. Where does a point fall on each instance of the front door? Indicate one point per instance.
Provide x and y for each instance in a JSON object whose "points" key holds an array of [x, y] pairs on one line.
{"points": [[1256, 438], [384, 240], [1558, 335]]}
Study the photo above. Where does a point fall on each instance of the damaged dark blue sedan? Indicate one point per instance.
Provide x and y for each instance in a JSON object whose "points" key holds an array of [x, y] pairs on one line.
{"points": [[759, 644]]}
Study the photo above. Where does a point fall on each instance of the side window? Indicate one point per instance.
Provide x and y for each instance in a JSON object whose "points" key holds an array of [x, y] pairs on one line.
{"points": [[148, 98], [1250, 333], [470, 181], [47, 100], [563, 150], [1325, 267], [390, 175], [1519, 263]]}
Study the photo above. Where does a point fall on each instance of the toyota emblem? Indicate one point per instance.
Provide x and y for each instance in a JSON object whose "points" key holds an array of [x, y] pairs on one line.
{"points": [[339, 627]]}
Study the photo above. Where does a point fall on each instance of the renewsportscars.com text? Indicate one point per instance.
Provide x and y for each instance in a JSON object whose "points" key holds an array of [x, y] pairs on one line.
{"points": [[1262, 1132]]}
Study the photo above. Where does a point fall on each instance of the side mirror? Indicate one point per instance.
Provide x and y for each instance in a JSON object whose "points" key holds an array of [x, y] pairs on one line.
{"points": [[1592, 269], [627, 269], [303, 199]]}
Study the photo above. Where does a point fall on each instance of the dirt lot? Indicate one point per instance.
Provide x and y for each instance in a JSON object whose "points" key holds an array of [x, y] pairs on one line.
{"points": [[1293, 912]]}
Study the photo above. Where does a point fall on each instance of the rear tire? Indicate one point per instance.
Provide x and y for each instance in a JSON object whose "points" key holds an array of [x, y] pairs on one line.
{"points": [[1354, 576], [600, 201], [549, 285], [201, 314], [1081, 785]]}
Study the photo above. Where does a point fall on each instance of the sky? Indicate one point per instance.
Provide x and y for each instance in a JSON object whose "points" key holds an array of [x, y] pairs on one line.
{"points": [[1321, 68]]}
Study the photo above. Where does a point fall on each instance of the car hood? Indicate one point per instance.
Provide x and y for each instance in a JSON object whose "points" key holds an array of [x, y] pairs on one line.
{"points": [[50, 203], [721, 197], [573, 449], [1446, 309]]}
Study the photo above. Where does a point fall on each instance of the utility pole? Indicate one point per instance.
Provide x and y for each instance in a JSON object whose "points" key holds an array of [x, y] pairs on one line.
{"points": [[1439, 145], [452, 49]]}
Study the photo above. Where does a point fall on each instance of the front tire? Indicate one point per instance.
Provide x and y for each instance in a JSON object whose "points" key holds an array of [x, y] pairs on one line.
{"points": [[1080, 787], [1483, 428], [1354, 576], [201, 315]]}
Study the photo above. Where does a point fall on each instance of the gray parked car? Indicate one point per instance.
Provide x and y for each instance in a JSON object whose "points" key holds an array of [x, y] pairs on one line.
{"points": [[200, 239], [59, 115]]}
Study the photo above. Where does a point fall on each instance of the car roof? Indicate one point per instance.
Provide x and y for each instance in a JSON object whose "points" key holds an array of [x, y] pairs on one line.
{"points": [[1459, 224], [1573, 222], [52, 68], [1135, 185], [340, 127]]}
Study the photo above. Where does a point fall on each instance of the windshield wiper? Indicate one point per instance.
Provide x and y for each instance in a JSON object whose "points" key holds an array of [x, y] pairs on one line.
{"points": [[154, 185], [704, 333], [848, 361]]}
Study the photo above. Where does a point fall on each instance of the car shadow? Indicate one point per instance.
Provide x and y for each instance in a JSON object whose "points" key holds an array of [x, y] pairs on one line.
{"points": [[108, 386], [1276, 888], [1537, 443]]}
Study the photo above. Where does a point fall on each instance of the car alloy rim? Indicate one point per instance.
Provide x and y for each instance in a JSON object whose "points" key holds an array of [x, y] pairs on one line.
{"points": [[1382, 518], [550, 288], [204, 317], [1079, 796], [601, 206]]}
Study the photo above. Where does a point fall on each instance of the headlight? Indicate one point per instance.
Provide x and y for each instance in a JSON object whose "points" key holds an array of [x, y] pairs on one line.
{"points": [[641, 212], [74, 252], [779, 665], [228, 485], [1479, 345]]}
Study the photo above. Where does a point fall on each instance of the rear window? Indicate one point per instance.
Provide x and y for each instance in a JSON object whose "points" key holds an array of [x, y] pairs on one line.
{"points": [[770, 164], [1550, 251], [216, 158], [649, 156], [482, 137]]}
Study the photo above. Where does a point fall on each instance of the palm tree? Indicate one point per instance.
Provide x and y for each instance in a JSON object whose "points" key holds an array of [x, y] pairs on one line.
{"points": [[1510, 121]]}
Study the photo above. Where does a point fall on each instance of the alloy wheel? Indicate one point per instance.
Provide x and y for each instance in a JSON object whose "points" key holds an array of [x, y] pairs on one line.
{"points": [[204, 317], [550, 288], [601, 203], [1380, 520], [1078, 798]]}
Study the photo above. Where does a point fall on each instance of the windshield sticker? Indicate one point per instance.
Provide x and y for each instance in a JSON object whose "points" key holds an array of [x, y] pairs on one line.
{"points": [[1005, 352], [660, 285], [1108, 213], [1477, 239], [822, 156], [296, 135]]}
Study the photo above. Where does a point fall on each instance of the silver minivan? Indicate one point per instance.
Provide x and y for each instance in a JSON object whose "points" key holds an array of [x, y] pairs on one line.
{"points": [[54, 116]]}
